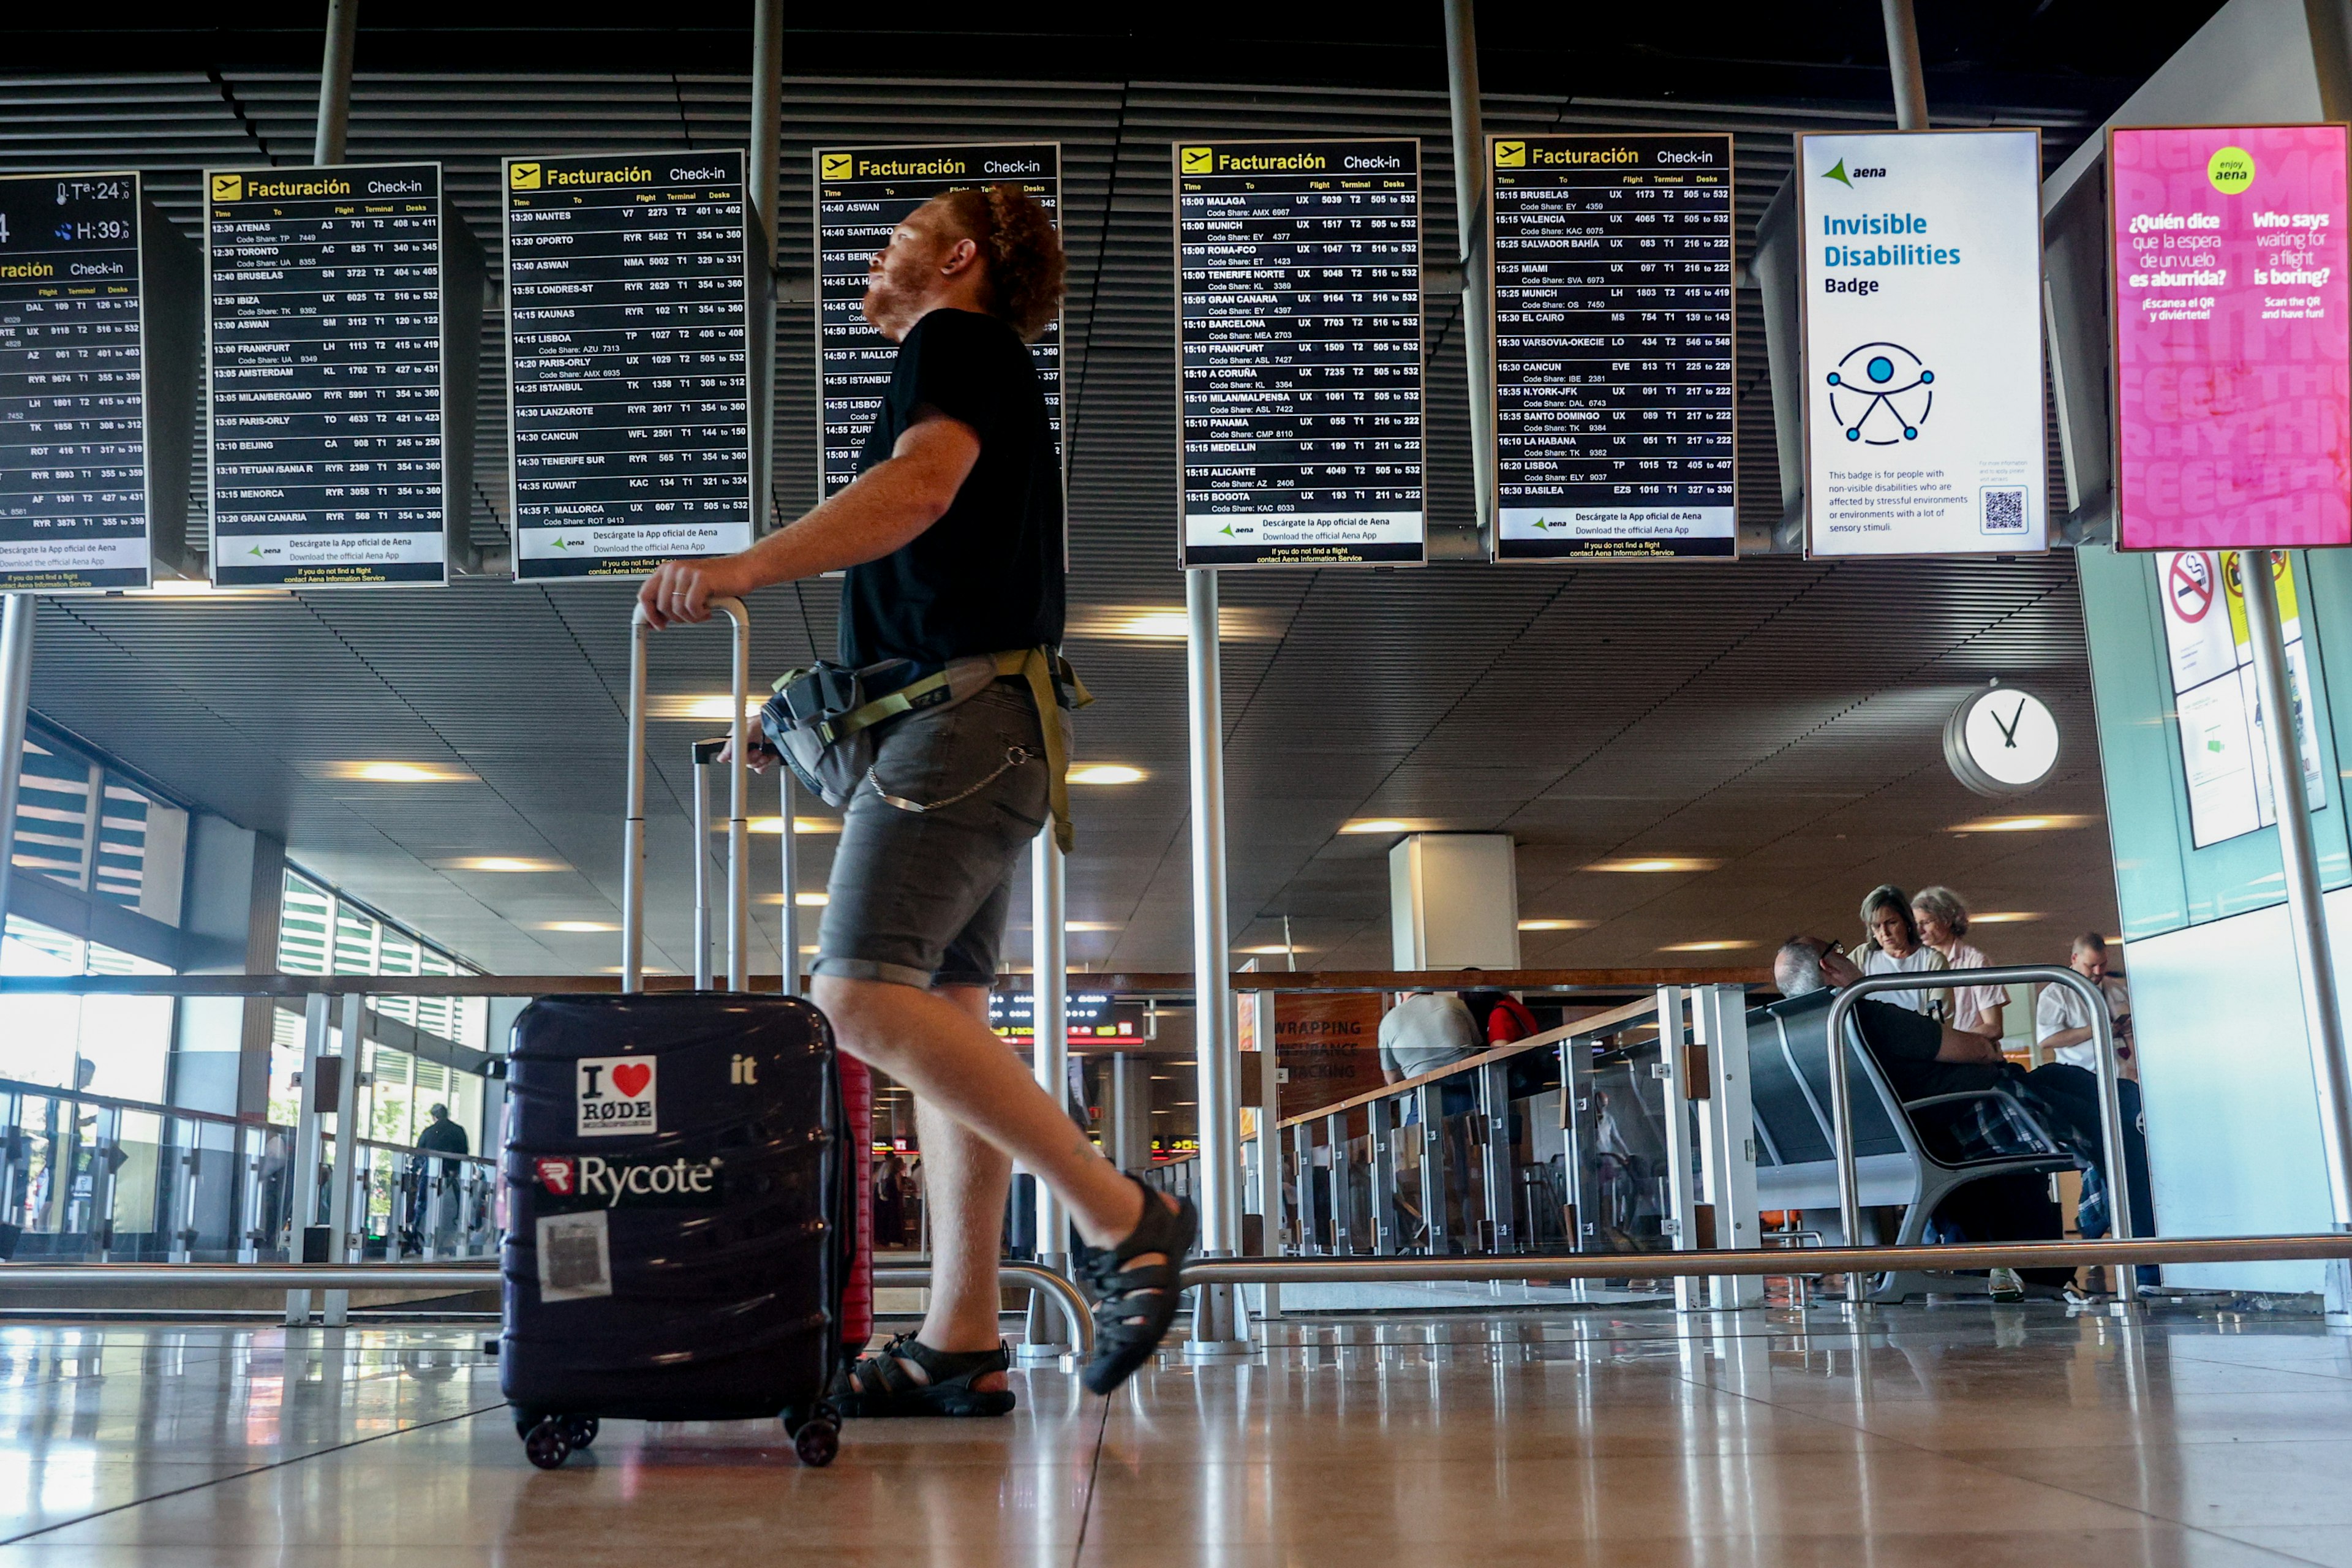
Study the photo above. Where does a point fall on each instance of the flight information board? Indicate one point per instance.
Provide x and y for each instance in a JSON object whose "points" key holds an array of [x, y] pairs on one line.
{"points": [[323, 317], [73, 478], [1614, 384], [862, 194], [1299, 354], [628, 374]]}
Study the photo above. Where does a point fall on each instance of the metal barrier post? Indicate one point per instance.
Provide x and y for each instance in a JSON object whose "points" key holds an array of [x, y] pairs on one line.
{"points": [[1302, 1154], [1727, 1134], [1674, 1068], [1496, 1164], [1430, 1105], [1343, 1186], [1379, 1118], [1579, 1136]]}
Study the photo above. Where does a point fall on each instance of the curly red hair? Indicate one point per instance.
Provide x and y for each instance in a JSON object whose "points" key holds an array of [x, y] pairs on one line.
{"points": [[1016, 238]]}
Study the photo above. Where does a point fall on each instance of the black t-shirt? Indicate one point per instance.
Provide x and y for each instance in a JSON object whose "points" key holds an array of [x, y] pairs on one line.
{"points": [[987, 576], [1906, 1043]]}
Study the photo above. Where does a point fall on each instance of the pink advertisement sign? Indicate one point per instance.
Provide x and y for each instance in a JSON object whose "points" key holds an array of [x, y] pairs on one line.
{"points": [[2233, 366]]}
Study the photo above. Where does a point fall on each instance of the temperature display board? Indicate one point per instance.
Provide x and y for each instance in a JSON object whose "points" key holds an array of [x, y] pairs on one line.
{"points": [[628, 311], [1300, 355], [1614, 384], [862, 194], [324, 334], [74, 493]]}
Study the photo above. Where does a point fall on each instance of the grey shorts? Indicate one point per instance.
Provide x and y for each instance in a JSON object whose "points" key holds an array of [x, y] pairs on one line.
{"points": [[918, 898]]}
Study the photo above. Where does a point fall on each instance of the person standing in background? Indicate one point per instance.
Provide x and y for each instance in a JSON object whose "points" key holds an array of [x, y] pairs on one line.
{"points": [[1942, 916], [1893, 947]]}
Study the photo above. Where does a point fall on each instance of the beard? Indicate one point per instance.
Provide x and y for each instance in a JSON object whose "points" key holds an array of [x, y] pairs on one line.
{"points": [[889, 305]]}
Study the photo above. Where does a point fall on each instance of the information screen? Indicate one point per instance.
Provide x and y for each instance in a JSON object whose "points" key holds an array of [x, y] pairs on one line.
{"points": [[1298, 331], [2223, 749], [2234, 336], [862, 194], [1614, 384], [1919, 273], [323, 317], [628, 362], [73, 482]]}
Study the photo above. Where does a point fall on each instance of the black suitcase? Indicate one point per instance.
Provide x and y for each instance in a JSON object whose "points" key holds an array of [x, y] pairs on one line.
{"points": [[680, 1218]]}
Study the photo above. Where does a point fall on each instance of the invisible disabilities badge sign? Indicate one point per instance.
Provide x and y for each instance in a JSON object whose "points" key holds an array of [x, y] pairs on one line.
{"points": [[615, 1096], [1920, 273]]}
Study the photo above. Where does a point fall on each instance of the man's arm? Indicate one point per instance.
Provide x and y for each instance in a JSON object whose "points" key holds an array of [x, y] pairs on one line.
{"points": [[1958, 1046], [888, 507]]}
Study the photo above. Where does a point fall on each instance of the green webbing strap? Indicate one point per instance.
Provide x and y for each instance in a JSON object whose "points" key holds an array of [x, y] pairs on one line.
{"points": [[902, 701]]}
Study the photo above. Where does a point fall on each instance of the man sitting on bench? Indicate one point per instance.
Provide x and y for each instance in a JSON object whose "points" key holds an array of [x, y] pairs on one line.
{"points": [[1922, 1057]]}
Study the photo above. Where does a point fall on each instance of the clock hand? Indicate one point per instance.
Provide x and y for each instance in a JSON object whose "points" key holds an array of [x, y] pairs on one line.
{"points": [[2009, 730]]}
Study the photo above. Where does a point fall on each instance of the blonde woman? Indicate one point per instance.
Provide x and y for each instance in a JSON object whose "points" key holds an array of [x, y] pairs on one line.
{"points": [[1942, 916], [1893, 947]]}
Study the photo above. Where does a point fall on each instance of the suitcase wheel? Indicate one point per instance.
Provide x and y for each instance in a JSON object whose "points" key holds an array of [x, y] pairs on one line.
{"points": [[546, 1445], [580, 1430], [817, 1441]]}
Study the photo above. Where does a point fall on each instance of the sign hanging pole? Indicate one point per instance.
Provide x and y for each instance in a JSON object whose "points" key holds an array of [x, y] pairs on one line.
{"points": [[1903, 61], [2307, 916], [767, 154], [335, 82], [1216, 1329], [1470, 223]]}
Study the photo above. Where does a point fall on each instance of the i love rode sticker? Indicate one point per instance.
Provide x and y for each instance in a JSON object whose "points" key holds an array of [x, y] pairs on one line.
{"points": [[616, 1096]]}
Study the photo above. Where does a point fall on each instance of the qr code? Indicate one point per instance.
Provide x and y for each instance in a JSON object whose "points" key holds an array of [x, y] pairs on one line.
{"points": [[2004, 511]]}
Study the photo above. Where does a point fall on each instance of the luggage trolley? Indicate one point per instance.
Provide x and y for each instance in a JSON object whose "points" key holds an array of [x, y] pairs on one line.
{"points": [[681, 1177]]}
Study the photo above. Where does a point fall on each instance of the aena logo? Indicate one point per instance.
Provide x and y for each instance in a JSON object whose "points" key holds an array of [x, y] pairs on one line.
{"points": [[1845, 177], [615, 1096]]}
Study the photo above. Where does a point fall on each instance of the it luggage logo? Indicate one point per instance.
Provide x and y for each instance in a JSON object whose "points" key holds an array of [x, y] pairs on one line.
{"points": [[616, 1096]]}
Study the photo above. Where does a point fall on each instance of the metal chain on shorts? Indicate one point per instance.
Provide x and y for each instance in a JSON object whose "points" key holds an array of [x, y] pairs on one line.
{"points": [[1013, 757]]}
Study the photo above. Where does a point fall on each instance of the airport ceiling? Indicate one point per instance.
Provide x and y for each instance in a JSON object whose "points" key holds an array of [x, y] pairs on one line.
{"points": [[1773, 723]]}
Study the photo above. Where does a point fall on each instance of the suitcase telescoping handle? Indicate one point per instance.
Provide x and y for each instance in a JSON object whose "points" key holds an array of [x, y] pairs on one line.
{"points": [[633, 842]]}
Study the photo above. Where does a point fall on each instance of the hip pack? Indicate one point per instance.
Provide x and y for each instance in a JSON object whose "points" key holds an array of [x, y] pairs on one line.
{"points": [[826, 720]]}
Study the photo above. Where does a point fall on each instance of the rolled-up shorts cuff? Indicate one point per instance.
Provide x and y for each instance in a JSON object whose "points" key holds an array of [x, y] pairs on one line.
{"points": [[865, 969]]}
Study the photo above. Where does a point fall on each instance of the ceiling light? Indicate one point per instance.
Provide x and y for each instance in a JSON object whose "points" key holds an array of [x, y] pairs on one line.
{"points": [[811, 901], [398, 773], [687, 705], [1165, 623], [1555, 925], [1706, 946], [1655, 863], [2007, 918], [1105, 774], [502, 862], [578, 927], [1386, 825], [198, 588], [2025, 824], [1091, 925], [1273, 950]]}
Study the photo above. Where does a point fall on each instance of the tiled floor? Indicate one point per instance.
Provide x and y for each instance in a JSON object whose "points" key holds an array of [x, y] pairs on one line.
{"points": [[1965, 1435]]}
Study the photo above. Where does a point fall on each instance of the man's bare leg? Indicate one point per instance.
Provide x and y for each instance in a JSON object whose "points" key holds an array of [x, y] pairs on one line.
{"points": [[965, 1182], [945, 1053]]}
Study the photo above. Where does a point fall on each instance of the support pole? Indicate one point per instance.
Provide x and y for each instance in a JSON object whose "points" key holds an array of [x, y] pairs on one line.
{"points": [[1903, 62], [343, 1243], [767, 155], [2307, 916], [1050, 1055], [305, 1173], [1215, 1326], [792, 879], [335, 82], [1478, 270], [16, 702]]}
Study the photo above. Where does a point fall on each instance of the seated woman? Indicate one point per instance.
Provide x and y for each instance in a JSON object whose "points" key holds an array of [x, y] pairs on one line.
{"points": [[1893, 947], [1942, 916]]}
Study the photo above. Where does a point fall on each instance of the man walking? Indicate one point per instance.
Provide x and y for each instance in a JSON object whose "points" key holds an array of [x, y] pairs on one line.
{"points": [[951, 542]]}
